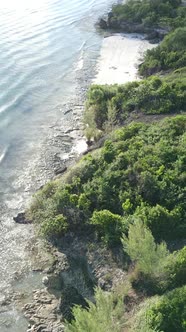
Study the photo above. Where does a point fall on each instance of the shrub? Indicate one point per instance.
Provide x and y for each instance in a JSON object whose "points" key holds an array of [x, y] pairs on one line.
{"points": [[159, 220], [150, 13], [142, 249], [109, 226], [105, 315], [168, 314], [56, 226], [150, 96], [170, 54], [176, 269], [138, 173]]}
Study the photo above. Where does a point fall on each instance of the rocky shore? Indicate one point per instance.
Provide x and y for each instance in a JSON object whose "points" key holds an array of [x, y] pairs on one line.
{"points": [[59, 149], [154, 34], [79, 264], [71, 268]]}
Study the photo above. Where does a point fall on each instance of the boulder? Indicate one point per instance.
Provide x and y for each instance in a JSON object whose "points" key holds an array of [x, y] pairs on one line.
{"points": [[60, 170], [103, 24], [21, 218]]}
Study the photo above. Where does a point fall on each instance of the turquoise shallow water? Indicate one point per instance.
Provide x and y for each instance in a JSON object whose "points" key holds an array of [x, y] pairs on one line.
{"points": [[42, 45]]}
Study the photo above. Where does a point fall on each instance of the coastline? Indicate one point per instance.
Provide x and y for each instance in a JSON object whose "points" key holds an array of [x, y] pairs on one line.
{"points": [[69, 145], [117, 63], [60, 146], [79, 262]]}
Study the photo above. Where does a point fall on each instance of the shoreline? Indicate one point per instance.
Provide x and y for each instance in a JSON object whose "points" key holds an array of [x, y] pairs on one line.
{"points": [[64, 147], [63, 139], [60, 159], [109, 68], [67, 142], [75, 262]]}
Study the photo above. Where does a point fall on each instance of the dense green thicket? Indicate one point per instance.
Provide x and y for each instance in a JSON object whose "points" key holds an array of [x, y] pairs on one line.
{"points": [[170, 54], [132, 190], [139, 173], [166, 313], [108, 106], [157, 13]]}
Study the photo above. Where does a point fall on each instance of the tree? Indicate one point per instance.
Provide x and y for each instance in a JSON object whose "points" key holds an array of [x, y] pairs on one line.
{"points": [[103, 316], [142, 249]]}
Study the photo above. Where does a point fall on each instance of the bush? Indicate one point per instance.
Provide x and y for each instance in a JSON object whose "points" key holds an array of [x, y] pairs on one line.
{"points": [[149, 257], [169, 312], [150, 96], [159, 220], [138, 173], [176, 269], [150, 13], [105, 315], [170, 54], [108, 225], [56, 226]]}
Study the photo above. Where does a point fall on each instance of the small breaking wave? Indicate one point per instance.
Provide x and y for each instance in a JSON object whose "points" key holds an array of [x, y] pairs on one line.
{"points": [[3, 154]]}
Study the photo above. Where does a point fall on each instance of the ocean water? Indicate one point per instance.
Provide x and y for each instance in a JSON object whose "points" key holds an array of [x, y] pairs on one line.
{"points": [[43, 44]]}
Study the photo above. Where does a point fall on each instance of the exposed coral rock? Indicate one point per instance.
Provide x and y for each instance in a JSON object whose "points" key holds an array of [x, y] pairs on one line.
{"points": [[22, 219]]}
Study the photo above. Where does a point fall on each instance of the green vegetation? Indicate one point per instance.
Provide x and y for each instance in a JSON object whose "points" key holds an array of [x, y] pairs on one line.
{"points": [[166, 313], [109, 226], [131, 191], [149, 13], [170, 54], [134, 186], [138, 173], [156, 18], [105, 315], [176, 76], [111, 105], [156, 269], [175, 269], [56, 226], [161, 313], [150, 257]]}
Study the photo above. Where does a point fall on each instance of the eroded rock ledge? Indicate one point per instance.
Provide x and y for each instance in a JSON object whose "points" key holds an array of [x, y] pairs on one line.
{"points": [[80, 264], [154, 34]]}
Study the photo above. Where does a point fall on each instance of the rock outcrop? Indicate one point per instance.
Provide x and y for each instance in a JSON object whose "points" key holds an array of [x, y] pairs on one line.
{"points": [[78, 267], [42, 313], [114, 23], [21, 218]]}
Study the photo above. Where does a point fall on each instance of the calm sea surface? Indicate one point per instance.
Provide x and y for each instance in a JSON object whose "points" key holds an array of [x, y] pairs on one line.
{"points": [[42, 44]]}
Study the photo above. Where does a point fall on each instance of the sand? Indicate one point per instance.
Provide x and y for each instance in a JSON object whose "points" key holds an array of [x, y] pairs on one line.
{"points": [[119, 58]]}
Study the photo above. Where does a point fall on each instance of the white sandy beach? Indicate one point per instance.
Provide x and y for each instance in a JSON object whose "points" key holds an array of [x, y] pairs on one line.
{"points": [[117, 64], [119, 58]]}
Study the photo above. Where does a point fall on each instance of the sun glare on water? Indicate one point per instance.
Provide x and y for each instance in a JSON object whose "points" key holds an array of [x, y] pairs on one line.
{"points": [[21, 4]]}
